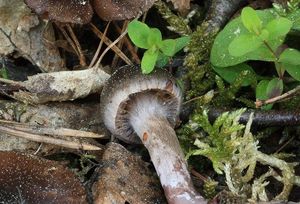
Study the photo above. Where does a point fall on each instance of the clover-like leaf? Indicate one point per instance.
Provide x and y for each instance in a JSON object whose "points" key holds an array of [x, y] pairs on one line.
{"points": [[168, 47], [138, 33], [181, 43], [220, 56], [149, 60], [279, 27], [274, 88], [290, 56], [162, 60], [293, 70], [244, 44], [251, 20], [154, 37]]}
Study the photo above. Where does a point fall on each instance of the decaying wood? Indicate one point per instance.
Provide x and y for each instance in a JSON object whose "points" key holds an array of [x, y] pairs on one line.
{"points": [[61, 86]]}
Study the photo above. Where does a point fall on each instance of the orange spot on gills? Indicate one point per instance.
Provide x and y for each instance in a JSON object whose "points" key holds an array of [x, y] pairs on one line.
{"points": [[145, 136]]}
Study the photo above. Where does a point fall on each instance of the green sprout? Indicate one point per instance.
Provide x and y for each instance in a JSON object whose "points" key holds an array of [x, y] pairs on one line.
{"points": [[158, 51], [257, 35]]}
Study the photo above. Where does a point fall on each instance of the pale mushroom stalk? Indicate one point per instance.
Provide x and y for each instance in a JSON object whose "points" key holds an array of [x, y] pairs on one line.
{"points": [[147, 106]]}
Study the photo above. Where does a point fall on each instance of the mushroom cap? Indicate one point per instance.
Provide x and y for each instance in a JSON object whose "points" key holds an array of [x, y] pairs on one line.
{"points": [[28, 179], [64, 11], [110, 10], [120, 95]]}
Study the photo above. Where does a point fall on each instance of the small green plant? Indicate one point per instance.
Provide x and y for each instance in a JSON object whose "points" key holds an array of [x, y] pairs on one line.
{"points": [[158, 51], [257, 35]]}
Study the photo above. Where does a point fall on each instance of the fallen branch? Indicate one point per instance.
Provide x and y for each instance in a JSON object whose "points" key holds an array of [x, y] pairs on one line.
{"points": [[283, 97], [39, 129], [49, 140]]}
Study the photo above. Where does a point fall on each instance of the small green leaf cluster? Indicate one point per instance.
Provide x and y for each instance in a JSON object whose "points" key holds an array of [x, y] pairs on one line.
{"points": [[158, 51], [257, 35]]}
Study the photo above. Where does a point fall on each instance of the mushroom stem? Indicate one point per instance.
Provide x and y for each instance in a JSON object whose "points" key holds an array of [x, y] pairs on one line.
{"points": [[160, 139]]}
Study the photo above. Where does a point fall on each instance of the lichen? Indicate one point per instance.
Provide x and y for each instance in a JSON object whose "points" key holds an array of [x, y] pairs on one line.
{"points": [[234, 152]]}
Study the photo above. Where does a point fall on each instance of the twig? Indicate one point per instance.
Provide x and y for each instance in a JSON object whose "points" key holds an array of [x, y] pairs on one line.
{"points": [[82, 60], [129, 46], [109, 47], [108, 42], [270, 118], [280, 98], [38, 129], [49, 140], [99, 46]]}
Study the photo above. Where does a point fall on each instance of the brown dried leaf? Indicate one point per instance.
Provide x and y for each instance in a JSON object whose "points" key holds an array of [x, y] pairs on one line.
{"points": [[21, 34]]}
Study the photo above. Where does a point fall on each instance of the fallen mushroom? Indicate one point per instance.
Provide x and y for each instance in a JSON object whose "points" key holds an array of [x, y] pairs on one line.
{"points": [[64, 11], [110, 10], [143, 108], [29, 179]]}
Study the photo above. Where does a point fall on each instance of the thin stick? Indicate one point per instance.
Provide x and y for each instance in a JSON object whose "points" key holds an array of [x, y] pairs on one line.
{"points": [[129, 45], [120, 43], [99, 46], [109, 42], [282, 97], [38, 129], [82, 60], [49, 140], [110, 46], [8, 81], [65, 34]]}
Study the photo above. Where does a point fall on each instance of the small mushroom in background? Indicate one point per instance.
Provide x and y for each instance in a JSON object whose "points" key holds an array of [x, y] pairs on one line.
{"points": [[110, 10], [29, 179], [144, 108], [64, 11]]}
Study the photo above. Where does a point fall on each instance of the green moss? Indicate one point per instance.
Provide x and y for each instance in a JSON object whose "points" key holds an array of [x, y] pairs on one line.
{"points": [[176, 23]]}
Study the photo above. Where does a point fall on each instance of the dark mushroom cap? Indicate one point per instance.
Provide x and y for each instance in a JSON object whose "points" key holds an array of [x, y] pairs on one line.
{"points": [[110, 10], [64, 11], [126, 87], [29, 179]]}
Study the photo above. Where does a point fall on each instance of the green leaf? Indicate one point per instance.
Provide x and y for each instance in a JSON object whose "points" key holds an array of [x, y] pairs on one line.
{"points": [[168, 47], [293, 70], [274, 88], [290, 56], [261, 93], [251, 20], [244, 44], [220, 56], [230, 74], [264, 35], [162, 60], [138, 33], [279, 27], [181, 43], [149, 60], [261, 90], [154, 37]]}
